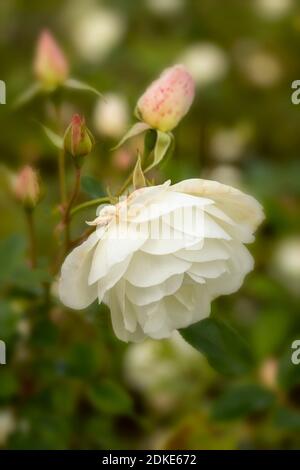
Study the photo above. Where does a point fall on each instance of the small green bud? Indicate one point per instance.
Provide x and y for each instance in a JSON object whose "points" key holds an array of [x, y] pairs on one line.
{"points": [[78, 140]]}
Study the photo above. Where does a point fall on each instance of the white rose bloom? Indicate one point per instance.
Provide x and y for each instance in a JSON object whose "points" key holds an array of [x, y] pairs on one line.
{"points": [[159, 257]]}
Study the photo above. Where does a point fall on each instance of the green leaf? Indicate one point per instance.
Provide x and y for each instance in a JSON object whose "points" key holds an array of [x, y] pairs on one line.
{"points": [[12, 251], [44, 333], [8, 384], [8, 321], [92, 187], [222, 346], [242, 400], [287, 419], [162, 145], [13, 268], [27, 95], [136, 129], [269, 332], [100, 432], [149, 142], [46, 430], [138, 177], [75, 84], [83, 360], [54, 138], [109, 397], [29, 279], [64, 397]]}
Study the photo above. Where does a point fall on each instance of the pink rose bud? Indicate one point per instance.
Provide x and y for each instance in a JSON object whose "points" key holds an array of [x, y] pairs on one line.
{"points": [[167, 100], [50, 65], [78, 140], [26, 187]]}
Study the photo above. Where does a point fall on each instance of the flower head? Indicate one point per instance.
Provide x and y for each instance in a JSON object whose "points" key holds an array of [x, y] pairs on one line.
{"points": [[160, 256], [26, 187], [167, 100], [78, 140], [50, 65]]}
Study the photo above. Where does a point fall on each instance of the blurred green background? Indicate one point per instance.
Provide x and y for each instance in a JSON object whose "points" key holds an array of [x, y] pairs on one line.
{"points": [[68, 382]]}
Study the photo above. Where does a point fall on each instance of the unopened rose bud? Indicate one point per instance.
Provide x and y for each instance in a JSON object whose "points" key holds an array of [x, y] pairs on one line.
{"points": [[167, 99], [50, 65], [26, 187], [78, 140]]}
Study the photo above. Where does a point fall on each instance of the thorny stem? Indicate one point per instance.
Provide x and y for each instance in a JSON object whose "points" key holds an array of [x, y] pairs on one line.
{"points": [[31, 237]]}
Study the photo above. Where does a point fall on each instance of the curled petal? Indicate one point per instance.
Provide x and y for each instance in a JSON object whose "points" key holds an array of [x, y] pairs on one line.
{"points": [[241, 207], [74, 290]]}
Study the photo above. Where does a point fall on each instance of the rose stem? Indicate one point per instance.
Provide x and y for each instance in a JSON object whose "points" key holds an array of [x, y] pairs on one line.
{"points": [[31, 237], [84, 205], [67, 211], [62, 176]]}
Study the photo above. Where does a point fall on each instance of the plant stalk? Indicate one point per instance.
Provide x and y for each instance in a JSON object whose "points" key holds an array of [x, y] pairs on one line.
{"points": [[67, 210], [62, 176], [93, 202], [31, 237]]}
